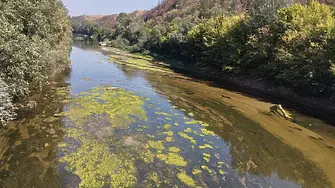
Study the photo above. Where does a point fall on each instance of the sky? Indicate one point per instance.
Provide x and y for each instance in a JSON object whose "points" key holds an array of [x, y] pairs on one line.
{"points": [[106, 7]]}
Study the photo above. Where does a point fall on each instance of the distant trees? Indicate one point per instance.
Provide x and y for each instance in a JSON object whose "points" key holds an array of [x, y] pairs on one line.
{"points": [[286, 43], [35, 39], [296, 49]]}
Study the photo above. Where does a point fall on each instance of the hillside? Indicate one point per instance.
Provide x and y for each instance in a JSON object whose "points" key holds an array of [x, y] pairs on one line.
{"points": [[107, 21], [170, 9]]}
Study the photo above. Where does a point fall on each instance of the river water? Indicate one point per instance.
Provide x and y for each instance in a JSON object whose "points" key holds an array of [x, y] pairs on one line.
{"points": [[109, 125]]}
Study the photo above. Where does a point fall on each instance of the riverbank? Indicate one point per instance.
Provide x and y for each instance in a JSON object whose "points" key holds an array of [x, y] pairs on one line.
{"points": [[322, 108]]}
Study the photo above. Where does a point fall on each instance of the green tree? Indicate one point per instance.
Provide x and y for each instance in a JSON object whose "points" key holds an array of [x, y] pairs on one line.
{"points": [[34, 41]]}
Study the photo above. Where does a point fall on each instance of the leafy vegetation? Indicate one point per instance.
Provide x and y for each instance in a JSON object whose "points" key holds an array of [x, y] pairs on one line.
{"points": [[286, 42], [34, 40]]}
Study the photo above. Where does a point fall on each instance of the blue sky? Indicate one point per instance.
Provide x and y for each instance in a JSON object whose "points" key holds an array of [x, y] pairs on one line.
{"points": [[103, 7]]}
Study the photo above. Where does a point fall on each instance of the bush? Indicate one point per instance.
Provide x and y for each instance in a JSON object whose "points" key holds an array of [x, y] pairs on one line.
{"points": [[218, 42], [34, 40], [303, 38], [297, 49]]}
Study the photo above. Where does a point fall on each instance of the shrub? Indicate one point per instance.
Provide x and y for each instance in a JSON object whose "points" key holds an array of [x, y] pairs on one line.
{"points": [[34, 40], [218, 42], [304, 41]]}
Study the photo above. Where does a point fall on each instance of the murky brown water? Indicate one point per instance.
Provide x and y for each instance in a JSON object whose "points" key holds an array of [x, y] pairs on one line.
{"points": [[108, 125]]}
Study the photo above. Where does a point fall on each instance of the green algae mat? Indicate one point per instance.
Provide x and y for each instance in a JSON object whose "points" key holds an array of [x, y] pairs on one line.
{"points": [[111, 143]]}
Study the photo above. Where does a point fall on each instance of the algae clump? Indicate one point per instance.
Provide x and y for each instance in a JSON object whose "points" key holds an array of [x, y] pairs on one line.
{"points": [[169, 133], [169, 139], [191, 139], [206, 146], [117, 103], [172, 159], [196, 171], [206, 157], [207, 132], [152, 180], [163, 113], [183, 177], [167, 126], [207, 169], [156, 145], [91, 159], [188, 130], [94, 164], [174, 149]]}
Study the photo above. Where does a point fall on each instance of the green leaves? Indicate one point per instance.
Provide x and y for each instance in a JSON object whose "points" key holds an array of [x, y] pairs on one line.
{"points": [[35, 39]]}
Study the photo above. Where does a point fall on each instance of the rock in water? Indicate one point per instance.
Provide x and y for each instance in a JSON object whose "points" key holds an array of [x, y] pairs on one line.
{"points": [[278, 109], [129, 141]]}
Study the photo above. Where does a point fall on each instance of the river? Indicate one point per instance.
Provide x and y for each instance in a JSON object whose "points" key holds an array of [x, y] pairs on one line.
{"points": [[105, 124]]}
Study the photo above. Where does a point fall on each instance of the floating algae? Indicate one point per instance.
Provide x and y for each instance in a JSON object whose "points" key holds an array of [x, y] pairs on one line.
{"points": [[172, 159], [183, 177], [163, 113], [169, 139], [174, 149], [188, 130], [92, 161], [156, 145], [206, 146], [194, 122], [169, 133], [101, 162], [147, 156], [139, 63], [207, 132], [206, 157], [117, 103], [191, 139], [167, 126], [196, 171], [207, 169], [152, 179]]}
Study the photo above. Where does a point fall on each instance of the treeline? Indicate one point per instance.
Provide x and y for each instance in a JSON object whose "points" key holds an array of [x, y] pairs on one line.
{"points": [[35, 39], [286, 42]]}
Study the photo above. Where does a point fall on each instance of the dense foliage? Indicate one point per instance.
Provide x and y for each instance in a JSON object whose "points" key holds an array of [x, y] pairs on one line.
{"points": [[287, 42], [35, 39]]}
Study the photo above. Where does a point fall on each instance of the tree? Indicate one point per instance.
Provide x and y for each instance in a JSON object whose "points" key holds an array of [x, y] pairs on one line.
{"points": [[35, 39]]}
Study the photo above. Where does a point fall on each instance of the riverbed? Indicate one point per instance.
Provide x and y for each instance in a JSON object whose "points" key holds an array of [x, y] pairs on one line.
{"points": [[117, 121]]}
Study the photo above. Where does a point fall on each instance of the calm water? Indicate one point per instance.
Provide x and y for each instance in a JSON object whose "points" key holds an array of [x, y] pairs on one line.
{"points": [[106, 125]]}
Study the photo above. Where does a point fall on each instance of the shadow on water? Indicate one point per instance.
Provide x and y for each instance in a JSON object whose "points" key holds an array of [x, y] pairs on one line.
{"points": [[87, 44], [81, 134]]}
